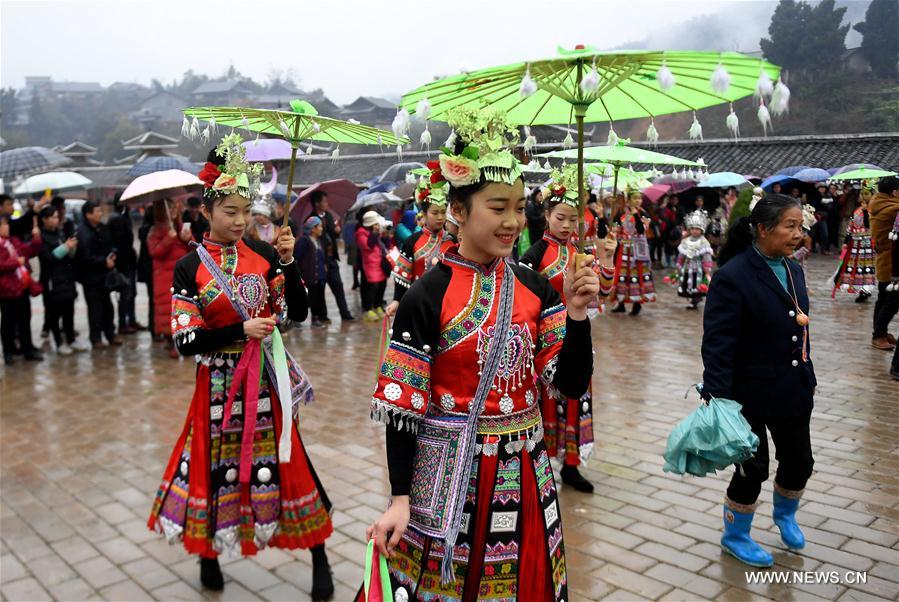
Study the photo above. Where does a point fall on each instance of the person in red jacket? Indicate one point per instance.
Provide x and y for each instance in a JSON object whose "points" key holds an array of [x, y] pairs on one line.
{"points": [[167, 242], [15, 290]]}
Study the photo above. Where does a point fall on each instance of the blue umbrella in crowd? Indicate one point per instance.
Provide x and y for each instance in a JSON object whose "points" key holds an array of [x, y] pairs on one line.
{"points": [[723, 179], [162, 163], [770, 181], [811, 175]]}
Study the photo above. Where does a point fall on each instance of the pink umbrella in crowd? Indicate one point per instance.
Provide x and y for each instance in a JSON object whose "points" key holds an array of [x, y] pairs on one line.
{"points": [[268, 149], [655, 192], [341, 196]]}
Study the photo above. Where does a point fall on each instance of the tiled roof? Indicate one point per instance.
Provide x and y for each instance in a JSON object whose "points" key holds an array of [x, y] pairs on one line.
{"points": [[757, 156]]}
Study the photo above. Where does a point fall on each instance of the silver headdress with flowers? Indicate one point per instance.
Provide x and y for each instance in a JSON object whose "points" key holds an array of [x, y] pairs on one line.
{"points": [[236, 176], [563, 186], [486, 154]]}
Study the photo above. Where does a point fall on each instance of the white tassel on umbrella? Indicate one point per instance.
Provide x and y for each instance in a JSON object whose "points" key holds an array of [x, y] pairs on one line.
{"points": [[764, 118], [652, 134], [212, 125], [780, 99], [206, 135], [335, 154], [733, 123], [568, 142], [764, 86], [185, 128], [528, 86], [245, 123], [590, 82], [530, 141], [612, 139], [720, 79], [400, 125], [194, 129], [695, 129], [665, 78], [423, 109], [425, 139]]}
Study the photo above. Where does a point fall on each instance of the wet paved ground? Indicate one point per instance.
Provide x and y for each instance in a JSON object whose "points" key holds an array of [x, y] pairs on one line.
{"points": [[84, 440]]}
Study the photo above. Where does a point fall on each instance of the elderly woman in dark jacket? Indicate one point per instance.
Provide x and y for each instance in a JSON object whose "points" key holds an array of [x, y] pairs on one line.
{"points": [[756, 351]]}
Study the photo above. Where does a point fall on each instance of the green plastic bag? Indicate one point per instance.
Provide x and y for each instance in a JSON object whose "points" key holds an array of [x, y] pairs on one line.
{"points": [[711, 438]]}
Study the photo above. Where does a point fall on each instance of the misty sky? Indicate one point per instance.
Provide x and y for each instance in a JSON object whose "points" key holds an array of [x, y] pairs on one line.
{"points": [[350, 48]]}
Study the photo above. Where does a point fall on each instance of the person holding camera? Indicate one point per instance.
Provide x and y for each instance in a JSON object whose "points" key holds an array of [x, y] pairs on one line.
{"points": [[94, 260]]}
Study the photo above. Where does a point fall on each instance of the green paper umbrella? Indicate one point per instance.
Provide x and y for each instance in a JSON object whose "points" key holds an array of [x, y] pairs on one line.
{"points": [[585, 85], [619, 154], [863, 174], [301, 123]]}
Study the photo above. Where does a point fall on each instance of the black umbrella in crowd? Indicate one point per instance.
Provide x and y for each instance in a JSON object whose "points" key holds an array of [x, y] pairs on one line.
{"points": [[29, 159]]}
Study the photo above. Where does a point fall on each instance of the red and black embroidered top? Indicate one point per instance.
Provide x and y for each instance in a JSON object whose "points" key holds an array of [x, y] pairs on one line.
{"points": [[419, 253], [203, 318], [440, 338]]}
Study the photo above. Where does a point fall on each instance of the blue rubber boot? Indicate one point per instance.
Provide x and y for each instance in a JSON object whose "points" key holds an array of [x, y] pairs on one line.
{"points": [[737, 542], [785, 518]]}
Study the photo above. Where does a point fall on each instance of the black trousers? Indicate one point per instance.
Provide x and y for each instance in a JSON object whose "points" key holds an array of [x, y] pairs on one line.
{"points": [[317, 306], [100, 313], [885, 309], [127, 297], [336, 286], [61, 312], [372, 294], [656, 249], [15, 320], [793, 450]]}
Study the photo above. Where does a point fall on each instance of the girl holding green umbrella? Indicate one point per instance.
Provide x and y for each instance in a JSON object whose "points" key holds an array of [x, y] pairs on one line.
{"points": [[239, 477], [474, 511]]}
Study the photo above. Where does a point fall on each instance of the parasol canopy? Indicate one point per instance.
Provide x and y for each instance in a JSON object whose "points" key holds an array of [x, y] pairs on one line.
{"points": [[57, 181], [161, 185], [811, 175], [863, 174], [586, 85], [29, 159], [341, 196], [301, 123], [268, 149], [723, 179]]}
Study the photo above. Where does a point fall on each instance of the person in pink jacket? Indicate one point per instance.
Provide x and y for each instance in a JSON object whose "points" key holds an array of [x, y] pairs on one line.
{"points": [[374, 256], [167, 243]]}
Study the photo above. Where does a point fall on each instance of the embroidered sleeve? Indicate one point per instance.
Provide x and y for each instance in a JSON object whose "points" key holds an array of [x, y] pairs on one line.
{"points": [[403, 269], [190, 333], [404, 379], [550, 334], [606, 280]]}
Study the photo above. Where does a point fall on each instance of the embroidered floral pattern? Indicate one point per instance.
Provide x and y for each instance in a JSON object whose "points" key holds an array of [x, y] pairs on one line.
{"points": [[475, 313]]}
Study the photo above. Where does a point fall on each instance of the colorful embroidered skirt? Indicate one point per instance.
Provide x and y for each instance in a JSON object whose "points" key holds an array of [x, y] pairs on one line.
{"points": [[201, 501], [690, 276], [510, 544], [856, 272], [567, 426], [633, 277]]}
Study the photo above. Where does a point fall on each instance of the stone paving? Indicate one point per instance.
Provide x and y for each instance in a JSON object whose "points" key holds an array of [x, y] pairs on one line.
{"points": [[85, 438]]}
